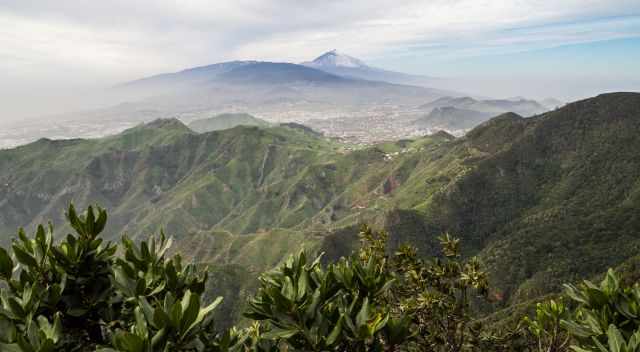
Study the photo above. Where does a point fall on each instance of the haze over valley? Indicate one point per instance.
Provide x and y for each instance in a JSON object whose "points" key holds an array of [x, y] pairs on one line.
{"points": [[336, 94]]}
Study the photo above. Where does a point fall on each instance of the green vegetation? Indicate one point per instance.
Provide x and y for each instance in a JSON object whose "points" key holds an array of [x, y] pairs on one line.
{"points": [[78, 294], [226, 121], [541, 201], [75, 294]]}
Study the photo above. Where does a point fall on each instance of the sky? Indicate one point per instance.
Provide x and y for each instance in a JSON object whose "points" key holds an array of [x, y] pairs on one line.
{"points": [[50, 51]]}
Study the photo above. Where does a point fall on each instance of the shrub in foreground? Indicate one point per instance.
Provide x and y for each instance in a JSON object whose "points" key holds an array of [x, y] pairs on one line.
{"points": [[77, 295], [83, 294]]}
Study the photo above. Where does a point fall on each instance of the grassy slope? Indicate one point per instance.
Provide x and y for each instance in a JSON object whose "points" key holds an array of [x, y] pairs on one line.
{"points": [[542, 200], [548, 199], [226, 121]]}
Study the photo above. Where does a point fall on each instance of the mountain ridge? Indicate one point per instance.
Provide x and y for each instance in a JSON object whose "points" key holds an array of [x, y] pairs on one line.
{"points": [[225, 121], [460, 114], [541, 200]]}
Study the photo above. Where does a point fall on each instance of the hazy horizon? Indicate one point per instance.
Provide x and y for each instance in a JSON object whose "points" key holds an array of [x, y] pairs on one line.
{"points": [[61, 56]]}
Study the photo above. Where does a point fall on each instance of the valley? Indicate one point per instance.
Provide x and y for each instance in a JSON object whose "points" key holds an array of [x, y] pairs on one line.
{"points": [[527, 195], [336, 94]]}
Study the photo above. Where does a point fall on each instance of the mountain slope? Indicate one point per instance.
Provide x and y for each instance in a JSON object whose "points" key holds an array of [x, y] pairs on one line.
{"points": [[459, 114], [551, 198], [452, 119], [520, 106], [195, 75], [263, 87], [242, 180], [225, 121], [277, 73], [541, 200]]}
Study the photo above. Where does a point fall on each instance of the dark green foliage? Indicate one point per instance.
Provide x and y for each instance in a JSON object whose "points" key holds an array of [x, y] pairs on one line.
{"points": [[372, 302], [607, 317], [437, 295], [601, 318], [77, 295], [169, 326], [68, 284], [149, 302], [146, 271], [316, 309]]}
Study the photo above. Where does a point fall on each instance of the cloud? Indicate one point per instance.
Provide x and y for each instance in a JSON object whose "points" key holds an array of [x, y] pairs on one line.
{"points": [[76, 43], [117, 34]]}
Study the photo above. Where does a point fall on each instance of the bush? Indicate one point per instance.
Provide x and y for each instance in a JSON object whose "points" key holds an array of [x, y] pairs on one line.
{"points": [[370, 302], [84, 294], [77, 295], [607, 317], [604, 318]]}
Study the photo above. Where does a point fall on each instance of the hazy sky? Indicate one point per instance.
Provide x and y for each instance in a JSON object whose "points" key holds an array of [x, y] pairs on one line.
{"points": [[567, 48]]}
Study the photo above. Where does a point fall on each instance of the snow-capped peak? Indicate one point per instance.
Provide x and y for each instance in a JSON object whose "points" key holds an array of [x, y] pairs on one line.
{"points": [[335, 59]]}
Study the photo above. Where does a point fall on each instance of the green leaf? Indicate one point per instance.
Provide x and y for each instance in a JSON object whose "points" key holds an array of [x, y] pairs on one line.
{"points": [[158, 339], [6, 264], [190, 309], [288, 290], [101, 221], [363, 314], [147, 309], [611, 282], [164, 249], [335, 333], [15, 307], [203, 313], [303, 283], [24, 257], [141, 322], [53, 331], [73, 219], [278, 333], [575, 329], [616, 341]]}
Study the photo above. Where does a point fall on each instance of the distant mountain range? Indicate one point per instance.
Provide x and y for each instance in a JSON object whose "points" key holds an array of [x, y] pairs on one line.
{"points": [[253, 83], [521, 106], [254, 72], [458, 114], [452, 119], [332, 81], [258, 72], [334, 87]]}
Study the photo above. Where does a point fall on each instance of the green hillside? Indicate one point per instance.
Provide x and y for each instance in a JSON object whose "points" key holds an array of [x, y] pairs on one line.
{"points": [[226, 121], [542, 200]]}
